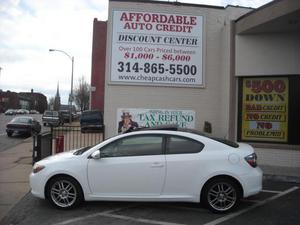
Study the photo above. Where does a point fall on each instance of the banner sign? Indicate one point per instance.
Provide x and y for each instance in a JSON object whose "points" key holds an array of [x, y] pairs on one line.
{"points": [[265, 109], [153, 48], [132, 118]]}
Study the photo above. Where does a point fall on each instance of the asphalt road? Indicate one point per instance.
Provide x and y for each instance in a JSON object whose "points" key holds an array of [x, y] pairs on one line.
{"points": [[8, 142], [277, 204]]}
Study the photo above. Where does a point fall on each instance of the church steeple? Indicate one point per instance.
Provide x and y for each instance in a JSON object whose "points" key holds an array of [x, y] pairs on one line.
{"points": [[57, 99], [57, 91]]}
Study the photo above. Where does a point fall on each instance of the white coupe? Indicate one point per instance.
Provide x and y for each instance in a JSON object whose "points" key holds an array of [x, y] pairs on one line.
{"points": [[151, 165]]}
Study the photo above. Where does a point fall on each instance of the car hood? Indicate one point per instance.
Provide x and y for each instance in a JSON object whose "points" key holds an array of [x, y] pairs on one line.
{"points": [[63, 156]]}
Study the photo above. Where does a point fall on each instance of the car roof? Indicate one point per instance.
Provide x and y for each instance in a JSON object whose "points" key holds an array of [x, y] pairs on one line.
{"points": [[172, 127], [23, 117]]}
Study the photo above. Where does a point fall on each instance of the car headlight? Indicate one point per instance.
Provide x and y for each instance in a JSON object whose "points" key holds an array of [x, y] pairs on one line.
{"points": [[37, 168]]}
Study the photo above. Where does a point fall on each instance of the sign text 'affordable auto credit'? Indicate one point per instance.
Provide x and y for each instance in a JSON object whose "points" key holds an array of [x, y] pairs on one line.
{"points": [[157, 48]]}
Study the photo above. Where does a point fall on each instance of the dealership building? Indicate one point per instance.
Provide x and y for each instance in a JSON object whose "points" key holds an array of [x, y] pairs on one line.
{"points": [[229, 71]]}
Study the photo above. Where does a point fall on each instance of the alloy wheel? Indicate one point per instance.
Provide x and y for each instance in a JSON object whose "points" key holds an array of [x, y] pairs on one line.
{"points": [[63, 193], [222, 196]]}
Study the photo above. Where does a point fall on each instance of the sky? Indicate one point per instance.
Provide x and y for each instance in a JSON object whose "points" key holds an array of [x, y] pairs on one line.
{"points": [[29, 28]]}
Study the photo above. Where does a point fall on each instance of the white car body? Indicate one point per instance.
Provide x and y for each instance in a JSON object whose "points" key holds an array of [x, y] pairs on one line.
{"points": [[164, 177]]}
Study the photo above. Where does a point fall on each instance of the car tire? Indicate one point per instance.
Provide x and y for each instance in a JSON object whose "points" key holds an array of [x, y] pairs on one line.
{"points": [[221, 195], [64, 192], [9, 134]]}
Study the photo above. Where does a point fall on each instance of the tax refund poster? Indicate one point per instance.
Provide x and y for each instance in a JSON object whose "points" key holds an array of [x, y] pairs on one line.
{"points": [[265, 109]]}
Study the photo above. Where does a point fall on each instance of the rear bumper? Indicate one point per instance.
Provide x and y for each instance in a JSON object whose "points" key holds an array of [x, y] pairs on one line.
{"points": [[54, 122], [19, 130], [252, 182]]}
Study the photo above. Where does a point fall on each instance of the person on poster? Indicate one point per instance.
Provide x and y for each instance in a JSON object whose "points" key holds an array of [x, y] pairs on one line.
{"points": [[126, 123]]}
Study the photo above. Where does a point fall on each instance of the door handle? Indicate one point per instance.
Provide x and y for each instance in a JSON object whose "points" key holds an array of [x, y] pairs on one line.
{"points": [[157, 165]]}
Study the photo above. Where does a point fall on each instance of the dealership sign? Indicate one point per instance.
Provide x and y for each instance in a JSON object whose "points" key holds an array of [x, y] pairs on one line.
{"points": [[152, 48], [265, 109], [128, 117]]}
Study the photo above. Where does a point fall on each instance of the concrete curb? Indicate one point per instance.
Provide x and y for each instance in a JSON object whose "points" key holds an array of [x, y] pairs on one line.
{"points": [[282, 178]]}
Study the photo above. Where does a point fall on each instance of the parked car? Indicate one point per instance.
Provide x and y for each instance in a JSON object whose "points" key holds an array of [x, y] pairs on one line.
{"points": [[10, 112], [75, 116], [151, 165], [91, 121], [34, 112], [23, 125], [52, 118], [22, 111], [66, 115]]}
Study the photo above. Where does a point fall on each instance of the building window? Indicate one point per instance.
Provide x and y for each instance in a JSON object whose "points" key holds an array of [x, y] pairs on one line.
{"points": [[267, 109]]}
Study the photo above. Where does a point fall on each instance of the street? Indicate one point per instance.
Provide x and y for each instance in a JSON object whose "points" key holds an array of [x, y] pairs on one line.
{"points": [[8, 142], [276, 204]]}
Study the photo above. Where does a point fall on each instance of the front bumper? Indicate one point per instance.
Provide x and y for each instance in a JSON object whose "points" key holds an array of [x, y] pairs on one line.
{"points": [[37, 185]]}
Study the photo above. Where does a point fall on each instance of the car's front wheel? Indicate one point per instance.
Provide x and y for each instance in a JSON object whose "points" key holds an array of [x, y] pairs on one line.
{"points": [[64, 192], [9, 133], [221, 195]]}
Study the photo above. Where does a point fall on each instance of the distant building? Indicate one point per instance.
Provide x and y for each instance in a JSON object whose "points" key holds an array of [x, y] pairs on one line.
{"points": [[37, 101], [9, 100], [22, 100]]}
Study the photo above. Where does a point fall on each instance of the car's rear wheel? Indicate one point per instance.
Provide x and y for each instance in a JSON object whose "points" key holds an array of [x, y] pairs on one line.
{"points": [[221, 195], [9, 133], [64, 192]]}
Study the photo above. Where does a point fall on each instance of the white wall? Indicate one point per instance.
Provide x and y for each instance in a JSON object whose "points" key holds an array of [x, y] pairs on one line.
{"points": [[268, 54], [209, 103]]}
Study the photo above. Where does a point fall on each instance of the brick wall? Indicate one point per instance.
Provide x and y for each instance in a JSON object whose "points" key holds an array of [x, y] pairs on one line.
{"points": [[98, 64]]}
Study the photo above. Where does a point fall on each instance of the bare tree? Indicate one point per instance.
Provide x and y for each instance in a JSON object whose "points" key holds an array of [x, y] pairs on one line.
{"points": [[82, 94], [51, 103]]}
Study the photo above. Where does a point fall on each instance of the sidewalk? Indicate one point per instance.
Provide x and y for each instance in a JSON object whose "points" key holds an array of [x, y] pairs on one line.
{"points": [[15, 167], [281, 173]]}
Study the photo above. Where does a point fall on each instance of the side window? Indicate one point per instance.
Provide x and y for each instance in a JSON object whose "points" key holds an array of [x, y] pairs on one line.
{"points": [[181, 145], [134, 146]]}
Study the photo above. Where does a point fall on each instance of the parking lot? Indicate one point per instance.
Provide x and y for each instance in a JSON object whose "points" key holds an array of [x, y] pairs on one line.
{"points": [[278, 203]]}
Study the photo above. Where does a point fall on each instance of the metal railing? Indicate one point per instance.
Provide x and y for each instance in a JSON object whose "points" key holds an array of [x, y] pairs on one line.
{"points": [[61, 139], [67, 138]]}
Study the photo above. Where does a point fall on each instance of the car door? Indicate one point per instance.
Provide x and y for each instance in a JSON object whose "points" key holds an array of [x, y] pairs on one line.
{"points": [[183, 160], [131, 167]]}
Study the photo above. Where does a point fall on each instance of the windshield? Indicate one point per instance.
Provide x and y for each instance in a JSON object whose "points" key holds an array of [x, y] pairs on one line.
{"points": [[82, 150], [91, 115], [51, 113], [21, 120]]}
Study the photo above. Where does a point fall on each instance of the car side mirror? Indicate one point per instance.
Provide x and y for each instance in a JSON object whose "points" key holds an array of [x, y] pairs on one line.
{"points": [[96, 155]]}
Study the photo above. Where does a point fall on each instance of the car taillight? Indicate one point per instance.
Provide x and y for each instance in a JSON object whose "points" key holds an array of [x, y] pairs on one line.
{"points": [[252, 160]]}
